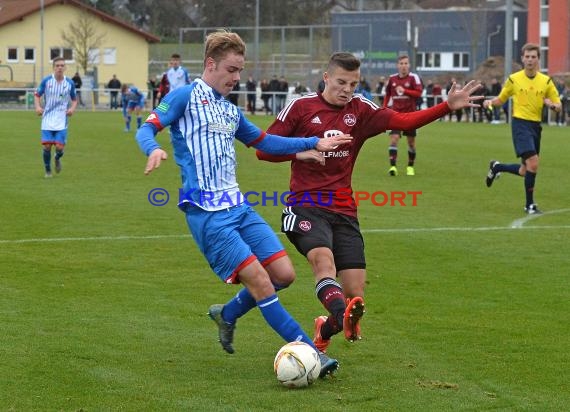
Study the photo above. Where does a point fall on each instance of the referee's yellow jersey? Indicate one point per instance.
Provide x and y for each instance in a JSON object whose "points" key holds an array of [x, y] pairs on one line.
{"points": [[529, 94]]}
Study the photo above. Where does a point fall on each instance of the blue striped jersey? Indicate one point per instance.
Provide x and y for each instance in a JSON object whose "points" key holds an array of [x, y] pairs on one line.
{"points": [[57, 96], [177, 77], [203, 126]]}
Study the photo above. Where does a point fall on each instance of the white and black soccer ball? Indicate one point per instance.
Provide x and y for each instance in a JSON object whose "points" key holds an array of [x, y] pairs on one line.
{"points": [[297, 365]]}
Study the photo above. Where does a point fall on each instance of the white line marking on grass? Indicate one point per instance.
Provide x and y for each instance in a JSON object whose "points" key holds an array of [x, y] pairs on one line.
{"points": [[96, 238], [393, 230], [519, 223]]}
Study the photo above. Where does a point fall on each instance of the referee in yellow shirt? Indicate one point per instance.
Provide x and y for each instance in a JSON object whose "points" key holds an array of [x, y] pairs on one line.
{"points": [[530, 90]]}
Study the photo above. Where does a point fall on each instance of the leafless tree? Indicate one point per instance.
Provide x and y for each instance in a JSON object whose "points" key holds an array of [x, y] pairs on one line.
{"points": [[84, 39]]}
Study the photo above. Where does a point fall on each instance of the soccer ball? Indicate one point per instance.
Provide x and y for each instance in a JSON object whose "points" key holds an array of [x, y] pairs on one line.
{"points": [[297, 365]]}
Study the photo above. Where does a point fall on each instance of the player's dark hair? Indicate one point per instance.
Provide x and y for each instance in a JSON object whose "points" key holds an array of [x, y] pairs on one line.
{"points": [[57, 59], [403, 56], [530, 47], [346, 61], [175, 56]]}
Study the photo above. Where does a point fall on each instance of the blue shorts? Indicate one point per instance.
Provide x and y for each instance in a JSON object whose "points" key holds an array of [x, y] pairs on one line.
{"points": [[526, 137], [54, 136], [230, 239], [134, 105]]}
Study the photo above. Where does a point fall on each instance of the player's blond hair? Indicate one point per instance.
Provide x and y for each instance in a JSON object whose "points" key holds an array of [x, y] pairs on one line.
{"points": [[220, 43]]}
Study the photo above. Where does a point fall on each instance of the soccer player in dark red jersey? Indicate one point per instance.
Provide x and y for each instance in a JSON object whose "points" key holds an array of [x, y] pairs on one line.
{"points": [[321, 224], [402, 92]]}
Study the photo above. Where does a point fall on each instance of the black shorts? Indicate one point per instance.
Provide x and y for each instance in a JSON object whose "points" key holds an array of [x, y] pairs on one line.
{"points": [[311, 227], [407, 133]]}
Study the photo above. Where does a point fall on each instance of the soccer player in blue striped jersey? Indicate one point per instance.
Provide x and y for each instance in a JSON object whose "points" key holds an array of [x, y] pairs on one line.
{"points": [[60, 101], [237, 243]]}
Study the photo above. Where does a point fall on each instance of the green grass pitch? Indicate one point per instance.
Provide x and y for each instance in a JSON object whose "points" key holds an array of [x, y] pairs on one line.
{"points": [[103, 297]]}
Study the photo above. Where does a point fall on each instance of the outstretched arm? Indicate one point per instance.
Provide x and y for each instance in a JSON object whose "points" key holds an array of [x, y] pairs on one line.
{"points": [[461, 97], [458, 98]]}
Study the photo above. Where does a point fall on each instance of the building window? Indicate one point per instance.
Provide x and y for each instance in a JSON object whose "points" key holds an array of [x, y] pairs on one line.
{"points": [[428, 60], [12, 55], [110, 56], [67, 54], [460, 60], [29, 55], [94, 56]]}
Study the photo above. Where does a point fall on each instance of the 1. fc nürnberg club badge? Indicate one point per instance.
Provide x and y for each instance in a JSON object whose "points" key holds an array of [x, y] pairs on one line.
{"points": [[349, 119], [305, 225]]}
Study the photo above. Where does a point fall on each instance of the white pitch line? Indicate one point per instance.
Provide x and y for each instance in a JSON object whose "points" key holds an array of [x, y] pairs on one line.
{"points": [[92, 238], [182, 236], [519, 223]]}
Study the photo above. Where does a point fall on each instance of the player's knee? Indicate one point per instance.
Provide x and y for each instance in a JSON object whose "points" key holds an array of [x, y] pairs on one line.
{"points": [[322, 261]]}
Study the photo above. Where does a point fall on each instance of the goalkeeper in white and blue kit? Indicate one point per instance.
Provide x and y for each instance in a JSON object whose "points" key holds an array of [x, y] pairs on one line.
{"points": [[237, 243]]}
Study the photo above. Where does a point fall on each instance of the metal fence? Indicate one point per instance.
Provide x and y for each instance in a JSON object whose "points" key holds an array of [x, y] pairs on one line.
{"points": [[99, 100]]}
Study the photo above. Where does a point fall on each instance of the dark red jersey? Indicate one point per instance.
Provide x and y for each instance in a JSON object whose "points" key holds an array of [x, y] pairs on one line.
{"points": [[330, 186], [403, 92]]}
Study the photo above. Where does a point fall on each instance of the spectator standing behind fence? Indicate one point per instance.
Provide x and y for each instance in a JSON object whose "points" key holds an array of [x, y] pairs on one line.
{"points": [[300, 88], [264, 86], [163, 87], [429, 94], [437, 90], [114, 86], [77, 82], [364, 88], [282, 97], [233, 97], [274, 89], [437, 97], [494, 92], [251, 87], [152, 93], [60, 101], [380, 90], [562, 92], [478, 113]]}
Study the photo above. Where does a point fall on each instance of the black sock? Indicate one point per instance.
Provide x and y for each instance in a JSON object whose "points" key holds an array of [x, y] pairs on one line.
{"points": [[529, 179], [393, 155], [509, 168], [47, 159], [411, 156], [331, 296]]}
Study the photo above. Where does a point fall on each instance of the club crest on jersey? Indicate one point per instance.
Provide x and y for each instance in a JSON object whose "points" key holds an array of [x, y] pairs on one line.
{"points": [[349, 119], [205, 102], [305, 225]]}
